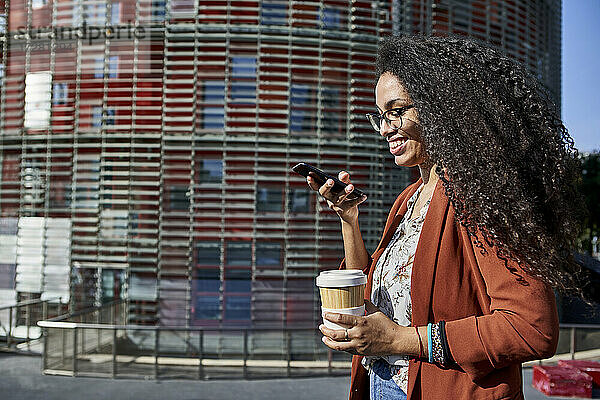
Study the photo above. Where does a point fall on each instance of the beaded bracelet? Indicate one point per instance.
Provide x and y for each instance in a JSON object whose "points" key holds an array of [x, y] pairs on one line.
{"points": [[445, 347], [437, 349]]}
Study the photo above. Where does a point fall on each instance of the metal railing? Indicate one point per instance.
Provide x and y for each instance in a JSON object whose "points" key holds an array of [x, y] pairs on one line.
{"points": [[97, 342], [18, 322]]}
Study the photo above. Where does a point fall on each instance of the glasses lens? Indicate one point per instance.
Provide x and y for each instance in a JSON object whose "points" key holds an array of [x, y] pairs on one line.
{"points": [[375, 121]]}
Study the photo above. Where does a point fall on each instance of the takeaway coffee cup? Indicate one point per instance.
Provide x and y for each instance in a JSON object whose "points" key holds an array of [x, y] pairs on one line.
{"points": [[342, 291]]}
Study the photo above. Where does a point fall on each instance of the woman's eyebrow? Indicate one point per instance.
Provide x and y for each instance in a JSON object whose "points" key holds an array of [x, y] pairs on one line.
{"points": [[390, 103]]}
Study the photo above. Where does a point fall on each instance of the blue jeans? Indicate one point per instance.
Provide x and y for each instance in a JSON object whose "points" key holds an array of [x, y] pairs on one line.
{"points": [[382, 385]]}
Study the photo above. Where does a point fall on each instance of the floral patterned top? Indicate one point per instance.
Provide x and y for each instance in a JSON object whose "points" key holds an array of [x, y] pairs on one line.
{"points": [[391, 283]]}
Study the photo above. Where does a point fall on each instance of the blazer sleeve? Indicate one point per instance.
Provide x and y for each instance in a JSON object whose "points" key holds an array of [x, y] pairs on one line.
{"points": [[522, 323]]}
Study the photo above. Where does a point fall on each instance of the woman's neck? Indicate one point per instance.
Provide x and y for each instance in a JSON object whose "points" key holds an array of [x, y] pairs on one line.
{"points": [[428, 174]]}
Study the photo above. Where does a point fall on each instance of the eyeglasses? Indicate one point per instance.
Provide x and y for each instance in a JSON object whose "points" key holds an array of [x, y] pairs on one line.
{"points": [[391, 115]]}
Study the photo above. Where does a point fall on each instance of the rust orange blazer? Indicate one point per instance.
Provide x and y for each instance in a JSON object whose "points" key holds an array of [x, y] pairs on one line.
{"points": [[493, 322]]}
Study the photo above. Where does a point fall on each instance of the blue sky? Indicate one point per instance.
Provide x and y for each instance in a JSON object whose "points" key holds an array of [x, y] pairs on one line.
{"points": [[581, 72]]}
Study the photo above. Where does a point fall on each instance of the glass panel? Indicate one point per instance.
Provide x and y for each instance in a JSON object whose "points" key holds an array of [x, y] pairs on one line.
{"points": [[214, 94], [269, 199], [206, 307], [208, 253], [302, 100], [299, 200], [61, 93], [211, 171], [273, 14], [268, 253], [115, 17], [178, 198], [208, 280], [237, 307], [238, 280], [158, 10], [331, 18], [243, 82], [239, 253]]}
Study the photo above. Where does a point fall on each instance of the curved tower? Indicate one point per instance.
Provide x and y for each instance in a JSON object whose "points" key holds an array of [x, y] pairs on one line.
{"points": [[158, 137], [146, 145]]}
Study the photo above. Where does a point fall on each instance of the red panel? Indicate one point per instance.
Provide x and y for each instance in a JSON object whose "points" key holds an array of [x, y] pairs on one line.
{"points": [[562, 381], [592, 368]]}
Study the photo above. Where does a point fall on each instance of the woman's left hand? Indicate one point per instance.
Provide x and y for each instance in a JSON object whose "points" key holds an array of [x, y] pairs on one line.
{"points": [[372, 335]]}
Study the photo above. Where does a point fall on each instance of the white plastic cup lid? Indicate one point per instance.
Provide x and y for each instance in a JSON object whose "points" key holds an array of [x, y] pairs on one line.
{"points": [[341, 278]]}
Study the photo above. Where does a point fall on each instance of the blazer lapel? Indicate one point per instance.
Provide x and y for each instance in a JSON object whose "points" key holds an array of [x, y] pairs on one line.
{"points": [[424, 266], [426, 256]]}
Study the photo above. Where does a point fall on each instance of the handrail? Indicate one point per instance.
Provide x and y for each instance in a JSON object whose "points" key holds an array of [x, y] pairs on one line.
{"points": [[84, 325], [77, 313], [28, 303], [52, 323], [580, 326]]}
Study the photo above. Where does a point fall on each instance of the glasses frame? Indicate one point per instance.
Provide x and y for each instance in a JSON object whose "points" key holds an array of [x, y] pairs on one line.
{"points": [[384, 116]]}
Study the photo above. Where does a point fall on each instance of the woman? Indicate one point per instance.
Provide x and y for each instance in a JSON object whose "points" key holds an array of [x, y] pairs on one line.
{"points": [[459, 290]]}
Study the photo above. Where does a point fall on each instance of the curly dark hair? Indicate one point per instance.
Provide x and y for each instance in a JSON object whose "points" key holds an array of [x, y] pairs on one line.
{"points": [[509, 166]]}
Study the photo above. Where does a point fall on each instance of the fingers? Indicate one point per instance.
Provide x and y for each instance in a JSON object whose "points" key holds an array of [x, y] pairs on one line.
{"points": [[335, 334], [343, 319], [344, 176], [339, 346]]}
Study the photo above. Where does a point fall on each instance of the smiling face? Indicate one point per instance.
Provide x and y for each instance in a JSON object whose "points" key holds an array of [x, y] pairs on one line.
{"points": [[405, 143]]}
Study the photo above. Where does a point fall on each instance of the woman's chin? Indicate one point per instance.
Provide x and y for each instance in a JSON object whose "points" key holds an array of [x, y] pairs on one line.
{"points": [[403, 161]]}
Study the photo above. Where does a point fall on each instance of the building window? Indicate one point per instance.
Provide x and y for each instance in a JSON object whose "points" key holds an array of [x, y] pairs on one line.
{"points": [[38, 94], [237, 307], [238, 286], [115, 13], [97, 116], [238, 280], [90, 13], [142, 287], [206, 307], [268, 254], [273, 13], [158, 10], [35, 4], [238, 253], [114, 223], [269, 199], [208, 253], [331, 18], [113, 67], [331, 106], [208, 280], [211, 171], [299, 200], [213, 112], [2, 23], [61, 93], [302, 104], [243, 80], [178, 198]]}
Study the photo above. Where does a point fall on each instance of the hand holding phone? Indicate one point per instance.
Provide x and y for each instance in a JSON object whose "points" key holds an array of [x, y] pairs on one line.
{"points": [[321, 177]]}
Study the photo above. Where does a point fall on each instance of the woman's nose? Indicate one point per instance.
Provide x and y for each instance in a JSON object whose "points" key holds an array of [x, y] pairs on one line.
{"points": [[385, 128]]}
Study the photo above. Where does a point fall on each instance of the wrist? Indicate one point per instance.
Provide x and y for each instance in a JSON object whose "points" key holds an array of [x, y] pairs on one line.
{"points": [[349, 223]]}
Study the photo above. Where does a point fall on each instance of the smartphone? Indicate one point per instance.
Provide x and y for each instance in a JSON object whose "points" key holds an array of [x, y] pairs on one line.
{"points": [[321, 177]]}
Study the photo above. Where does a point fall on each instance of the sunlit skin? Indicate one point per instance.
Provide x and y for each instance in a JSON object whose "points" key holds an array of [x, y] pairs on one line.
{"points": [[375, 333], [389, 93]]}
